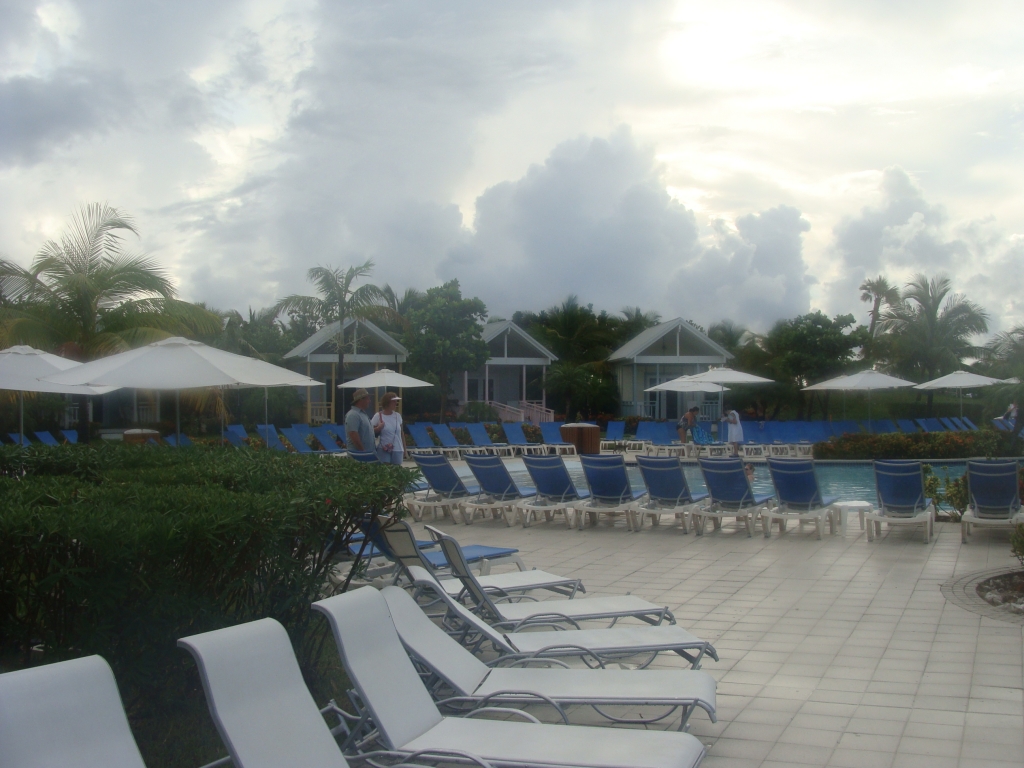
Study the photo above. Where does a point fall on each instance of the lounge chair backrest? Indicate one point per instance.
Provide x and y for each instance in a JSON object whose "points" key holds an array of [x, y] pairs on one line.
{"points": [[644, 431], [65, 714], [994, 489], [46, 439], [970, 424], [423, 578], [959, 424], [268, 434], [908, 425], [234, 439], [420, 436], [19, 439], [71, 435], [326, 439], [796, 484], [900, 487], [258, 700], [616, 431], [727, 483], [493, 477], [607, 478], [366, 457], [430, 644], [478, 434], [438, 472], [551, 432], [297, 440], [379, 666], [551, 478], [398, 542], [948, 424], [444, 434], [665, 480], [460, 570], [239, 430], [662, 433], [514, 433]]}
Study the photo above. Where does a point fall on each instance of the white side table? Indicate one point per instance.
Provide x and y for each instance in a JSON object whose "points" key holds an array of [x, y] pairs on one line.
{"points": [[845, 507]]}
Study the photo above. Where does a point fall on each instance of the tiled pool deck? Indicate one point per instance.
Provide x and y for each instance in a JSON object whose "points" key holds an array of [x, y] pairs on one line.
{"points": [[837, 653]]}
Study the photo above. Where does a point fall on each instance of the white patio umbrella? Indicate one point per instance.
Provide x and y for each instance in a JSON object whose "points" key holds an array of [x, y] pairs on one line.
{"points": [[385, 377], [684, 384], [865, 381], [176, 364], [21, 368], [726, 376], [960, 380]]}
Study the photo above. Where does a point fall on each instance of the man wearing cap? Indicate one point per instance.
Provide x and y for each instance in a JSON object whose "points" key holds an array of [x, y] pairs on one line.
{"points": [[357, 424]]}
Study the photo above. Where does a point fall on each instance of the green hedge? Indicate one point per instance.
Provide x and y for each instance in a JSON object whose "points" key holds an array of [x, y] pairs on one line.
{"points": [[120, 551], [932, 445]]}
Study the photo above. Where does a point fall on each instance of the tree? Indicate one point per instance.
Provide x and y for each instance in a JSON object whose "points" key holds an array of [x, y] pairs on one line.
{"points": [[931, 329], [810, 348], [728, 335], [85, 296], [338, 300], [444, 335], [880, 292], [635, 321]]}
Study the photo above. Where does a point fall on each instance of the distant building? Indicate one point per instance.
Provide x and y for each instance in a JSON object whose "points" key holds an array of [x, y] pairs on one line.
{"points": [[367, 348], [659, 354], [516, 362]]}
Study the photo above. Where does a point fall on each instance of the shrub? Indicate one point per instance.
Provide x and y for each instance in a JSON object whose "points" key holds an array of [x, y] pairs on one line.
{"points": [[462, 435], [533, 433], [1017, 543], [121, 550], [933, 445], [477, 411]]}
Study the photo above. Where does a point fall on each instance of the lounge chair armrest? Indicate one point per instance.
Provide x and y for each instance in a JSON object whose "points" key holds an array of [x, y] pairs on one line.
{"points": [[527, 660], [436, 753], [505, 711], [546, 618], [570, 646], [507, 598], [523, 695]]}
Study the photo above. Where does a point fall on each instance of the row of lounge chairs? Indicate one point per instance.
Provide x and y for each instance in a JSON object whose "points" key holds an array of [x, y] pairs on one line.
{"points": [[419, 687], [901, 497], [46, 438]]}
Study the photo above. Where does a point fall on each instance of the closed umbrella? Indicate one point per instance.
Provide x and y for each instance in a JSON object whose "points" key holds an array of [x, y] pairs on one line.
{"points": [[960, 380], [176, 364], [22, 367], [865, 381]]}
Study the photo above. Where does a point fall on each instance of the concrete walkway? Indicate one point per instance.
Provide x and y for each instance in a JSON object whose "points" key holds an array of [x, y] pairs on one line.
{"points": [[837, 653]]}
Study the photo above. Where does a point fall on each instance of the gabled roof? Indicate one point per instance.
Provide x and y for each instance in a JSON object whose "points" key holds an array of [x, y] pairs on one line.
{"points": [[494, 329], [635, 346], [329, 331]]}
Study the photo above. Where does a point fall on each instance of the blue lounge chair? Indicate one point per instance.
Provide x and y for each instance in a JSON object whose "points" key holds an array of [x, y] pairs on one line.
{"points": [[908, 426], [556, 491], [19, 439], [298, 441], [551, 432], [959, 424], [326, 439], [994, 496], [901, 498], [447, 490], [365, 457], [969, 424], [845, 427], [799, 498], [661, 437], [614, 434], [268, 434], [948, 424], [1001, 424], [517, 438], [71, 435], [449, 442], [644, 431], [234, 439], [423, 443], [667, 491], [47, 439], [481, 439], [930, 425], [882, 426], [238, 430], [499, 493], [610, 492], [731, 495], [172, 440], [814, 432]]}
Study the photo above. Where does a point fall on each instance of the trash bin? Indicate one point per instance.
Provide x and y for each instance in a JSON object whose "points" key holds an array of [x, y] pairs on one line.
{"points": [[586, 437]]}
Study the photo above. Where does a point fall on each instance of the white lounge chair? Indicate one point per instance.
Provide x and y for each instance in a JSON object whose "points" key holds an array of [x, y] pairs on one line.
{"points": [[514, 615], [471, 681], [65, 714], [408, 721], [606, 644], [263, 710]]}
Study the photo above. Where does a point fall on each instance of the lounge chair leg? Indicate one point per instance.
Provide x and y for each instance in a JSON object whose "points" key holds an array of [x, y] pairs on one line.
{"points": [[750, 526], [878, 529], [698, 525], [766, 524], [817, 526], [963, 532]]}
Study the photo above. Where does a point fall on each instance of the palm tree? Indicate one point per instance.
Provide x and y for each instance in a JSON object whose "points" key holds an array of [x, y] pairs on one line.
{"points": [[728, 335], [880, 292], [575, 333], [85, 296], [635, 321], [338, 300], [932, 327]]}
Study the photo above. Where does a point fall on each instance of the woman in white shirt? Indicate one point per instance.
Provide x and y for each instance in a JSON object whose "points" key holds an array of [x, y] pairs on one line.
{"points": [[732, 419], [387, 425]]}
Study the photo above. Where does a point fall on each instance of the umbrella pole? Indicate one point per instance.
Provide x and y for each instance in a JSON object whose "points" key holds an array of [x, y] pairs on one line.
{"points": [[223, 416], [177, 418], [871, 427], [960, 392], [21, 418], [266, 416]]}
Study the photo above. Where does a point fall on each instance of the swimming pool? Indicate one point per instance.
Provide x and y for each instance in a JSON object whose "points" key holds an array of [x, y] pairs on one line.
{"points": [[848, 480]]}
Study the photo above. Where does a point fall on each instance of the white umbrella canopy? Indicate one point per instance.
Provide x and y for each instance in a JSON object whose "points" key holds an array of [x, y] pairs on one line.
{"points": [[385, 377], [728, 376], [178, 363], [829, 384], [685, 384], [860, 382], [960, 380], [21, 368]]}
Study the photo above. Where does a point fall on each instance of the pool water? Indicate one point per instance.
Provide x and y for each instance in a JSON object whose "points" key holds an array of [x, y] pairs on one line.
{"points": [[849, 481]]}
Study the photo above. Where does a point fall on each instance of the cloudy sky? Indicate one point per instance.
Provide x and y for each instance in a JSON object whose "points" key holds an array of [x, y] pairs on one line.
{"points": [[748, 159]]}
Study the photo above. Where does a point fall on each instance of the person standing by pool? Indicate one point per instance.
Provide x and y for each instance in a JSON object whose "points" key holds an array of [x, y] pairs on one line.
{"points": [[358, 432], [687, 422], [732, 419], [387, 424]]}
